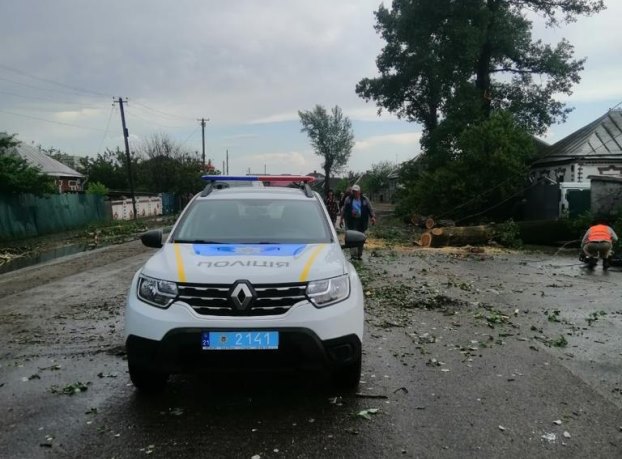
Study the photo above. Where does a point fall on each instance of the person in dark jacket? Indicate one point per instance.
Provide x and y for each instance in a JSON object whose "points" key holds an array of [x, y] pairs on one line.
{"points": [[344, 196], [332, 206], [357, 212]]}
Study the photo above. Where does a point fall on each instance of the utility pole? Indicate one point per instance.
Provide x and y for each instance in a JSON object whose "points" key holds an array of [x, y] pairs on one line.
{"points": [[203, 121], [127, 155], [227, 162]]}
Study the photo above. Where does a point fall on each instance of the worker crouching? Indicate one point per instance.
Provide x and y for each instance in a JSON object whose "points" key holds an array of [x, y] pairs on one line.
{"points": [[598, 242]]}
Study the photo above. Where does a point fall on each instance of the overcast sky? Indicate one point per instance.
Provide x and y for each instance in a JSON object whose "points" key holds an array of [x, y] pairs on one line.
{"points": [[247, 65]]}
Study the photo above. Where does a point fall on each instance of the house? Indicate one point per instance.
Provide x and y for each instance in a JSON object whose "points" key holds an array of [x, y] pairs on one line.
{"points": [[566, 170], [595, 149], [66, 178]]}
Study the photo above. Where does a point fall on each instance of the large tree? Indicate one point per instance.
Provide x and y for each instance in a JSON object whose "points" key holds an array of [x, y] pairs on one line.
{"points": [[378, 177], [109, 169], [461, 67], [16, 175], [166, 167], [331, 136], [490, 164], [463, 59]]}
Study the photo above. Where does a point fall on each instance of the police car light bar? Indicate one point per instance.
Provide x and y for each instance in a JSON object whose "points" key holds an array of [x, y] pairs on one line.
{"points": [[259, 178]]}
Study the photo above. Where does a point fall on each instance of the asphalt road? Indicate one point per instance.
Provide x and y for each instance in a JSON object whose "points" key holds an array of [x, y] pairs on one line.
{"points": [[465, 356]]}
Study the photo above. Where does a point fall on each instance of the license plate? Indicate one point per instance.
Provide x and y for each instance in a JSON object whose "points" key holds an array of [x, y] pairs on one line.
{"points": [[239, 340]]}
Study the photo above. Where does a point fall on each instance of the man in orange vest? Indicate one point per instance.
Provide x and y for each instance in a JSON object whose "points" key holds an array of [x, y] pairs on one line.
{"points": [[598, 241]]}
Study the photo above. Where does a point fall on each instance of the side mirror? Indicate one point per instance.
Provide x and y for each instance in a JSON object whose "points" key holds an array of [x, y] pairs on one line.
{"points": [[354, 239], [152, 238]]}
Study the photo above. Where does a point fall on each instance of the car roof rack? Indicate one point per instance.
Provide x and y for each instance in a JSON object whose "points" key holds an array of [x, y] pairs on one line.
{"points": [[219, 182]]}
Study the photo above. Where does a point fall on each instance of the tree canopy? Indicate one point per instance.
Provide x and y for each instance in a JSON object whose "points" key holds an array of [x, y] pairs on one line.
{"points": [[447, 59], [464, 69], [159, 164], [377, 178], [17, 175], [331, 137], [165, 166]]}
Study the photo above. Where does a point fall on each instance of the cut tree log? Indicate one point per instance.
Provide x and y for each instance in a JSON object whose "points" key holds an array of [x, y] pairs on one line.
{"points": [[430, 222], [426, 240], [457, 236], [418, 220]]}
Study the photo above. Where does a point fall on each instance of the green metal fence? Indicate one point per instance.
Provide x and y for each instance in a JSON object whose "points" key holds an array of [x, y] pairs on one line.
{"points": [[26, 215]]}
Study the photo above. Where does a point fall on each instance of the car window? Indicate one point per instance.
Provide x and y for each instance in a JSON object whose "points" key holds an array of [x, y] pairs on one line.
{"points": [[254, 221]]}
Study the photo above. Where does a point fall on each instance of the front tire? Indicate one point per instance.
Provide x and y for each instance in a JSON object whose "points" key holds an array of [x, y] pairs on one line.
{"points": [[347, 378], [147, 381]]}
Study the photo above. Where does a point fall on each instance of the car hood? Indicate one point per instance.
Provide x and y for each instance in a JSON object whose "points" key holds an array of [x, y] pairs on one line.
{"points": [[257, 263]]}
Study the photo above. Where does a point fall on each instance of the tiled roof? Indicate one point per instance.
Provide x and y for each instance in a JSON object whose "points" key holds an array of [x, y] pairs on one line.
{"points": [[601, 139]]}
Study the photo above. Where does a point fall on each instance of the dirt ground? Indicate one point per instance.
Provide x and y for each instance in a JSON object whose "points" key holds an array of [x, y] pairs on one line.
{"points": [[466, 354]]}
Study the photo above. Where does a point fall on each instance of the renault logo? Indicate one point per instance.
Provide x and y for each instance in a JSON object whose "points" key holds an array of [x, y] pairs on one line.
{"points": [[241, 295]]}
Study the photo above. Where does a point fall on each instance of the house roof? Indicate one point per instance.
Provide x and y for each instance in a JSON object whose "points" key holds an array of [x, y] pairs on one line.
{"points": [[48, 166], [599, 140]]}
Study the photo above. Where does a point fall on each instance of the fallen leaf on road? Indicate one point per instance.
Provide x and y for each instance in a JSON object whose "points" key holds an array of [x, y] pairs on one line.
{"points": [[558, 422], [566, 434], [106, 375], [70, 389], [502, 429], [550, 437], [366, 413]]}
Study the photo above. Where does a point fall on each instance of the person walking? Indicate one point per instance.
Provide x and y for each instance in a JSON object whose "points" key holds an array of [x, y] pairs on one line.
{"points": [[597, 242], [344, 196], [332, 206], [356, 213]]}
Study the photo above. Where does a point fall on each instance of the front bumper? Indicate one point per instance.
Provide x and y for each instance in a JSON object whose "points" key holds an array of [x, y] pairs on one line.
{"points": [[180, 352], [338, 320]]}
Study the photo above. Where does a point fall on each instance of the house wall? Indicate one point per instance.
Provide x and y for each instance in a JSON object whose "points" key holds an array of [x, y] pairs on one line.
{"points": [[578, 171], [606, 197], [146, 206], [68, 184]]}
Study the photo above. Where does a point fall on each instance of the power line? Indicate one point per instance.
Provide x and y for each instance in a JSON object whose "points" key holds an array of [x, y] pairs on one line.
{"points": [[50, 121], [153, 122], [189, 137], [38, 88], [494, 206], [47, 99], [107, 127], [155, 110], [46, 80]]}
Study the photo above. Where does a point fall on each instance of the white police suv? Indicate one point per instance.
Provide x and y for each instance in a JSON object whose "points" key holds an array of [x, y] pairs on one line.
{"points": [[251, 277]]}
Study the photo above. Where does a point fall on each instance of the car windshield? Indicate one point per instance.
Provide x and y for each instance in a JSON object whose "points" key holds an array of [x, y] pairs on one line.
{"points": [[253, 222]]}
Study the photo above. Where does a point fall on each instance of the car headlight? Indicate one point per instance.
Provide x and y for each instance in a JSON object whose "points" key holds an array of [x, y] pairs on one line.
{"points": [[329, 291], [156, 292]]}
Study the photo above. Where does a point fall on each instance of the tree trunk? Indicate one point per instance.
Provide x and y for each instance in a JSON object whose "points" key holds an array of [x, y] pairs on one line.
{"points": [[326, 180], [457, 236], [483, 68]]}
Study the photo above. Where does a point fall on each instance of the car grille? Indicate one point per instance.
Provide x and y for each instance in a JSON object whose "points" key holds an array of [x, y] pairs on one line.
{"points": [[215, 300]]}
